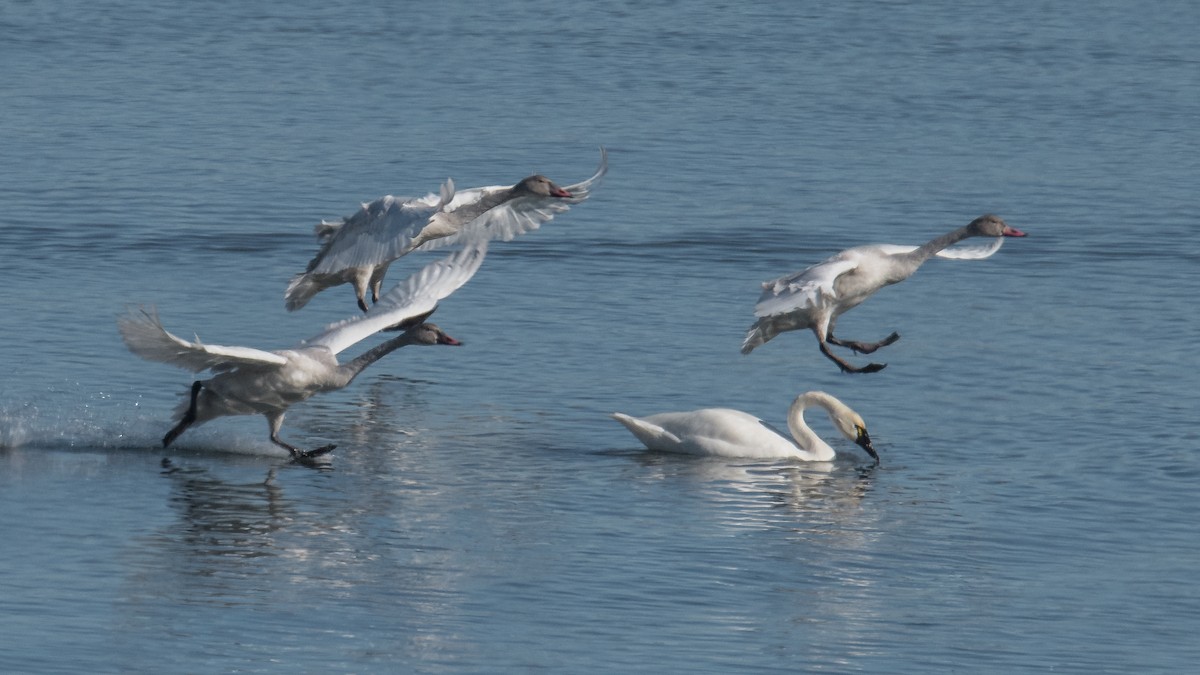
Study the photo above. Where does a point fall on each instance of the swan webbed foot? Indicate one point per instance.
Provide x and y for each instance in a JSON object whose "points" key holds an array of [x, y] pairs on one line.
{"points": [[315, 452], [846, 366], [310, 458], [863, 347]]}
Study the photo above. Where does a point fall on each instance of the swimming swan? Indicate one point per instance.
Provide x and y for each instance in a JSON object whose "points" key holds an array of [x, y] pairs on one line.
{"points": [[723, 432]]}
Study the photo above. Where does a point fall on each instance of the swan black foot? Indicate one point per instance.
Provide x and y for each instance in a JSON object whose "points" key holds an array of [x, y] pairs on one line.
{"points": [[863, 347], [848, 367], [188, 417], [301, 455]]}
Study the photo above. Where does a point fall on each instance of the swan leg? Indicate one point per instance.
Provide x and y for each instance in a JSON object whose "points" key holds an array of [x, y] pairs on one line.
{"points": [[275, 421], [377, 281], [188, 417], [861, 347], [845, 366]]}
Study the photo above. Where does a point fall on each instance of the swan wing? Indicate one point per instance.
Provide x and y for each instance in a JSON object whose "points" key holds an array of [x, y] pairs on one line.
{"points": [[973, 251], [145, 336], [377, 233], [805, 289], [517, 216], [714, 432], [651, 435], [416, 295]]}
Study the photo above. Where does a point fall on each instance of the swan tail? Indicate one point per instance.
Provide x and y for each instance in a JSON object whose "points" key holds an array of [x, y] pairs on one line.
{"points": [[758, 335], [651, 435], [300, 290]]}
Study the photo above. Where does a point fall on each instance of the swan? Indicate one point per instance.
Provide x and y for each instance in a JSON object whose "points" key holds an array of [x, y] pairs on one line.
{"points": [[249, 381], [359, 249], [724, 432], [815, 297]]}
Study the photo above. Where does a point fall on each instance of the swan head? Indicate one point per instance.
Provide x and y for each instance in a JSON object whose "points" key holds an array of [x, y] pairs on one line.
{"points": [[863, 440], [852, 426], [849, 423], [992, 226], [541, 186], [430, 334]]}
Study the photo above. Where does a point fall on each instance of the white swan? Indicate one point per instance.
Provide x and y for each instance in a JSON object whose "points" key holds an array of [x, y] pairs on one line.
{"points": [[359, 249], [249, 381], [815, 297], [724, 432]]}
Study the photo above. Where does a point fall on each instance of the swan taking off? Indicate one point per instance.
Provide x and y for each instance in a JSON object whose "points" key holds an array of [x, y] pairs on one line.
{"points": [[359, 249], [724, 432], [249, 381], [817, 296]]}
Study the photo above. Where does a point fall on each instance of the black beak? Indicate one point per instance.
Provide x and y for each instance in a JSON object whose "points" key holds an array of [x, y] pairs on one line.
{"points": [[864, 441]]}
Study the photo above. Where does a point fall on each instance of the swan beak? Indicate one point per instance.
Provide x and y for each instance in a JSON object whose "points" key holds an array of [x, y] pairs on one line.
{"points": [[556, 191], [1012, 232], [864, 441], [444, 339]]}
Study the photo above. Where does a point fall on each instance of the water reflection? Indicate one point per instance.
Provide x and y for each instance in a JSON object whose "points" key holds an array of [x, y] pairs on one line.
{"points": [[221, 520], [753, 493]]}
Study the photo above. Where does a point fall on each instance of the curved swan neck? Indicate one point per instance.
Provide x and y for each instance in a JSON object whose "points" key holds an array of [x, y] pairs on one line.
{"points": [[807, 439]]}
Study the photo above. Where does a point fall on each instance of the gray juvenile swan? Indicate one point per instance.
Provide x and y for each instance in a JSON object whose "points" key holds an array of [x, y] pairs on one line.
{"points": [[249, 381], [724, 432], [815, 297], [359, 249]]}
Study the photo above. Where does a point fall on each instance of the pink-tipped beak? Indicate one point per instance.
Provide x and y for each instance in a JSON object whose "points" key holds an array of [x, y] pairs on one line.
{"points": [[560, 193], [1012, 232], [447, 340]]}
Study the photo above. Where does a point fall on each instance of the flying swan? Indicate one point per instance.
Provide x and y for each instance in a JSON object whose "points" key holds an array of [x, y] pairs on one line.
{"points": [[359, 249], [815, 297]]}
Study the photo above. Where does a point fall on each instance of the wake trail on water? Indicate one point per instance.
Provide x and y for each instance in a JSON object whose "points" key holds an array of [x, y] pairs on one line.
{"points": [[89, 427]]}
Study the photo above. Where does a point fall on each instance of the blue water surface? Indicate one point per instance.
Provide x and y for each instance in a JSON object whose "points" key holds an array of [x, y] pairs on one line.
{"points": [[1035, 506]]}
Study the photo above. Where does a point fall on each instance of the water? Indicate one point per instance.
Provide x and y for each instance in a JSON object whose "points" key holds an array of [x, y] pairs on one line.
{"points": [[1035, 506]]}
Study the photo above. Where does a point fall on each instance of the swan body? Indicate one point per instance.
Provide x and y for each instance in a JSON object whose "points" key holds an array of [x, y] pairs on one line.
{"points": [[248, 381], [815, 297], [359, 249], [724, 432]]}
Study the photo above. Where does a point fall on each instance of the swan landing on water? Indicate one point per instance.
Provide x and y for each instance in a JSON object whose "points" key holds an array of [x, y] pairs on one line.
{"points": [[724, 432], [250, 381], [815, 297], [358, 249]]}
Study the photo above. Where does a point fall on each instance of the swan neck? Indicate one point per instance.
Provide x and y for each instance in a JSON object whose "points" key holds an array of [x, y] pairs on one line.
{"points": [[486, 202], [933, 246], [352, 368], [807, 440]]}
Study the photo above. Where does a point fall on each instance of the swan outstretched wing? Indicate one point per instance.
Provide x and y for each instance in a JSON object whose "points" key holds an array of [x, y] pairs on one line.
{"points": [[804, 289], [972, 251], [517, 216], [377, 233], [145, 336], [416, 295]]}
